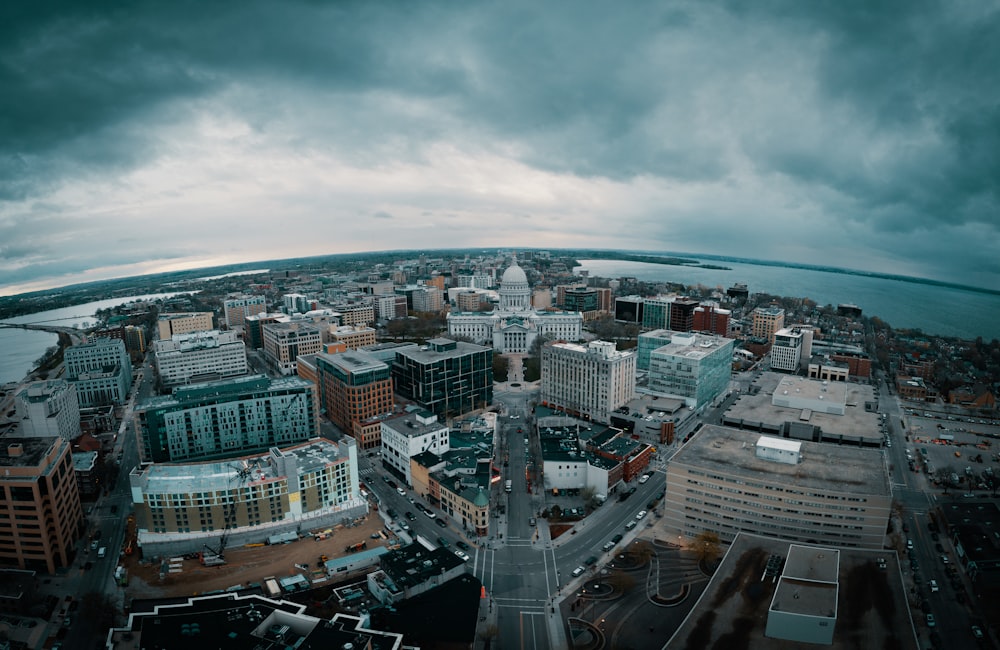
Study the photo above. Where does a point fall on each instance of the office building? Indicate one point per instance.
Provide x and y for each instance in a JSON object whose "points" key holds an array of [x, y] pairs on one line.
{"points": [[40, 513], [284, 342], [448, 378], [629, 309], [357, 314], [649, 341], [767, 321], [296, 303], [692, 367], [167, 325], [182, 508], [48, 408], [253, 327], [792, 348], [226, 418], [725, 481], [408, 434], [513, 325], [100, 370], [589, 381], [428, 299], [388, 307], [135, 340], [200, 356], [236, 309], [355, 388]]}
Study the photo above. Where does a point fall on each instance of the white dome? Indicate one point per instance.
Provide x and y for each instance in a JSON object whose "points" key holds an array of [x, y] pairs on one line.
{"points": [[514, 275]]}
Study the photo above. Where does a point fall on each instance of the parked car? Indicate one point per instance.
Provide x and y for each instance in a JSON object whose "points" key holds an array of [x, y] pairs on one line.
{"points": [[409, 515], [441, 522], [462, 545], [462, 555], [930, 620], [642, 513], [590, 561], [644, 478], [608, 546], [578, 571]]}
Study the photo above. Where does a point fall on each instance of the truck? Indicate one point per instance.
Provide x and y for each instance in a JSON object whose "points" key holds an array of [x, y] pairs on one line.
{"points": [[508, 486], [271, 587]]}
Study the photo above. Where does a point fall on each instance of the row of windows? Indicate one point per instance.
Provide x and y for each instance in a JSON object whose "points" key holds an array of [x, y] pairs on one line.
{"points": [[773, 488]]}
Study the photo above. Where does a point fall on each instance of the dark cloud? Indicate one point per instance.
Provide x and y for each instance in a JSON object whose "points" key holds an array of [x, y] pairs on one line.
{"points": [[868, 120]]}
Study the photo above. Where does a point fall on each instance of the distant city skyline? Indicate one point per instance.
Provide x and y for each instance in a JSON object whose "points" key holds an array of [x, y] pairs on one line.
{"points": [[159, 137]]}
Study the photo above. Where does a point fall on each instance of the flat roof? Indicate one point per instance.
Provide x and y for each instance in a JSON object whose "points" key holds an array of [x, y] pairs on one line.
{"points": [[167, 478], [692, 345], [855, 424], [353, 361], [224, 388], [32, 451], [822, 466], [870, 604]]}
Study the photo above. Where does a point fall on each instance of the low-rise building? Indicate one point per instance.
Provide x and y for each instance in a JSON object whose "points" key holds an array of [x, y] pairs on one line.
{"points": [[167, 325], [200, 356], [408, 434]]}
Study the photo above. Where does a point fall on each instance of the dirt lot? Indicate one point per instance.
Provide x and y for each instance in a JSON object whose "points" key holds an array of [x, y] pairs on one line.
{"points": [[247, 565]]}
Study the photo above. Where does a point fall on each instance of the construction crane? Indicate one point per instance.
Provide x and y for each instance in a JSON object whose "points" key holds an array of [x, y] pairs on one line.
{"points": [[238, 479]]}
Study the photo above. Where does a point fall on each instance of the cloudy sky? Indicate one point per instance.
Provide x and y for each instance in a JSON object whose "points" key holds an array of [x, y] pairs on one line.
{"points": [[145, 136]]}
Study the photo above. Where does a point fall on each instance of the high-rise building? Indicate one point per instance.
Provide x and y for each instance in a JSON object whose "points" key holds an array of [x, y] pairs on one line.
{"points": [[284, 342], [135, 339], [682, 314], [649, 341], [692, 367], [182, 323], [200, 356], [447, 377], [711, 319], [628, 309], [792, 348], [238, 308], [296, 303], [428, 299], [590, 381], [253, 327], [226, 418], [48, 408], [40, 511], [767, 321], [101, 371], [354, 388]]}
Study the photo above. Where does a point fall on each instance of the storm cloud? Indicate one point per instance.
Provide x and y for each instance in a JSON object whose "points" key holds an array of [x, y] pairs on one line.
{"points": [[146, 136]]}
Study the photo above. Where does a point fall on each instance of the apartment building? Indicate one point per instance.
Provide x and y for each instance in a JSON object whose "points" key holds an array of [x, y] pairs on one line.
{"points": [[48, 408], [448, 378], [225, 418], [357, 314], [185, 507], [253, 327], [388, 307], [167, 325], [284, 342], [589, 381], [354, 388], [792, 348], [40, 514], [766, 321], [200, 356], [428, 299], [296, 303], [237, 308], [725, 481], [353, 336], [692, 367]]}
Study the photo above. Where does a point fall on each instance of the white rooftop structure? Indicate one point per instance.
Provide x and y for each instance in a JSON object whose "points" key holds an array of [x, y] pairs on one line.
{"points": [[780, 450]]}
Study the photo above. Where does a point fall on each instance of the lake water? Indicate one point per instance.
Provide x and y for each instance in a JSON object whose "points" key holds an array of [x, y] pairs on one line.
{"points": [[19, 349], [933, 309]]}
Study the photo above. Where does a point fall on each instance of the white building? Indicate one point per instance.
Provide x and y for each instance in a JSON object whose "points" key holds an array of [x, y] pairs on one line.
{"points": [[101, 371], [792, 348], [169, 325], [48, 408], [200, 356], [409, 434], [514, 325], [285, 342], [590, 381]]}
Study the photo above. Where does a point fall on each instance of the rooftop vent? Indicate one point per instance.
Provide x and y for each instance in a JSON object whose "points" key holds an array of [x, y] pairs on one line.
{"points": [[15, 449]]}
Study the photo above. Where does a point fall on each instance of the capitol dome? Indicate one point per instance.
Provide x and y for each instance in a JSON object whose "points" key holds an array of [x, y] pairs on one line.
{"points": [[514, 275]]}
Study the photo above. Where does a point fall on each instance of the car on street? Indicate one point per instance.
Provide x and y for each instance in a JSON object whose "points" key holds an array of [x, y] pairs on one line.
{"points": [[531, 521], [400, 492], [608, 546], [441, 522], [462, 545], [443, 542], [930, 620], [644, 478], [462, 555], [404, 525], [630, 525], [590, 561], [616, 539], [934, 586], [430, 514], [977, 632], [944, 559], [642, 513], [578, 571], [409, 515]]}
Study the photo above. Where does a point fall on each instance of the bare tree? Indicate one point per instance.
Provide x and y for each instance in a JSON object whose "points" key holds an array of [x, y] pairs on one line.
{"points": [[706, 544]]}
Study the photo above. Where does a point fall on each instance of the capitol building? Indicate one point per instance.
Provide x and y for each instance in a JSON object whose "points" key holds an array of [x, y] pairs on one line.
{"points": [[513, 326]]}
